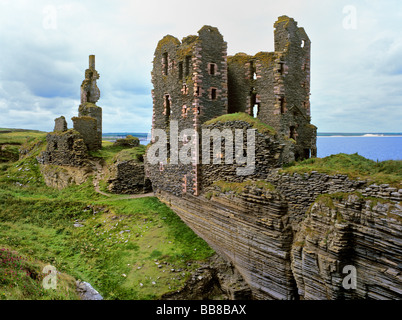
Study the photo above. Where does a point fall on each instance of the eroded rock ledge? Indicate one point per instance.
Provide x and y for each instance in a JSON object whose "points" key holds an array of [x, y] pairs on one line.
{"points": [[214, 279], [292, 240]]}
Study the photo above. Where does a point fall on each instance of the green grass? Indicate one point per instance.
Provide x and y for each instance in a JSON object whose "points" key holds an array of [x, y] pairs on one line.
{"points": [[136, 153], [22, 277], [19, 136], [37, 222], [354, 166], [111, 153], [11, 142], [241, 116]]}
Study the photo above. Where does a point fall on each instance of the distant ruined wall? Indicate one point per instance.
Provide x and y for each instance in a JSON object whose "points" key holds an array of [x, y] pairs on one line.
{"points": [[60, 124], [89, 120], [92, 132], [65, 148], [65, 160]]}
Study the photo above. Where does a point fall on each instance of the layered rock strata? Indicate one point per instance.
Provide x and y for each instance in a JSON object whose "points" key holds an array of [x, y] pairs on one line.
{"points": [[293, 240]]}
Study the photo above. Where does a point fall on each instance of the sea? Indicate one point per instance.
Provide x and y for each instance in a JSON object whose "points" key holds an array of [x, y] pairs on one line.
{"points": [[374, 146]]}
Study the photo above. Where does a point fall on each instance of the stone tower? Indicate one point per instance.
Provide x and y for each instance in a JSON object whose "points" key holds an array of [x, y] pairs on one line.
{"points": [[195, 81], [89, 120], [275, 86], [190, 79], [190, 87]]}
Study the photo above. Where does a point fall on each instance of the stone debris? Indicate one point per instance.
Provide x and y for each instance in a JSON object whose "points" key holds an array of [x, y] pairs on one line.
{"points": [[87, 292]]}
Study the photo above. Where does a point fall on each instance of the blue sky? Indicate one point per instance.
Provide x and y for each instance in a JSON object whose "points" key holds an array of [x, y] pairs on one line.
{"points": [[356, 75]]}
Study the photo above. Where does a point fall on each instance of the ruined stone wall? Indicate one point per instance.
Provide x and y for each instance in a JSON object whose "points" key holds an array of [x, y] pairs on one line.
{"points": [[176, 179], [128, 177], [239, 83], [292, 84], [65, 149], [269, 153], [89, 120], [190, 87], [60, 124], [93, 134], [87, 127], [211, 74]]}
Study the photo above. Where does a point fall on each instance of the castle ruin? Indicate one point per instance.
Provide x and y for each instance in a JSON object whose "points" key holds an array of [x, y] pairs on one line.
{"points": [[289, 235], [195, 81], [70, 146]]}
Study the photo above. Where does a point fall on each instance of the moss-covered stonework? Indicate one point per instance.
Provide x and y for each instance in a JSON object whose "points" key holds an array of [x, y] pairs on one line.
{"points": [[128, 141], [89, 120], [65, 148], [87, 127], [90, 94], [196, 83], [60, 124], [275, 86]]}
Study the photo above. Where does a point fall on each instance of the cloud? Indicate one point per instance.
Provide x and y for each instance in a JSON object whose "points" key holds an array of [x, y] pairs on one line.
{"points": [[356, 73]]}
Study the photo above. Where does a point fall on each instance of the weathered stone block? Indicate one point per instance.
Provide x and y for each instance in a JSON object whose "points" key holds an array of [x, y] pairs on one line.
{"points": [[60, 124], [129, 141], [87, 127], [128, 177]]}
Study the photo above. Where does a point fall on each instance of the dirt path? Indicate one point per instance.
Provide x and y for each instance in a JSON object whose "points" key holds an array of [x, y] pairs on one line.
{"points": [[98, 177]]}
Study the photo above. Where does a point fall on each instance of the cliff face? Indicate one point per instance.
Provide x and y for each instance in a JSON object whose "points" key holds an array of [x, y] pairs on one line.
{"points": [[288, 242], [349, 231]]}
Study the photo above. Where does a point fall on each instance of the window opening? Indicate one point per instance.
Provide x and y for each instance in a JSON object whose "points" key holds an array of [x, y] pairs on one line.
{"points": [[292, 134], [282, 104], [213, 94], [180, 70], [188, 63], [165, 63]]}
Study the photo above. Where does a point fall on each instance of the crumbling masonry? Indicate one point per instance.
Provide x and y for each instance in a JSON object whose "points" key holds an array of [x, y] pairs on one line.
{"points": [[289, 235], [195, 81], [70, 147]]}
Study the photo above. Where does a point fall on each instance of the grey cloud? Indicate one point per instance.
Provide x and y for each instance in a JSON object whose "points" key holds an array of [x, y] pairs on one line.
{"points": [[356, 74]]}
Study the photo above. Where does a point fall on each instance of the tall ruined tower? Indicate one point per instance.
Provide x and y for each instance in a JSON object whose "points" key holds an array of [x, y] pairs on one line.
{"points": [[190, 79], [275, 86], [190, 87], [89, 120]]}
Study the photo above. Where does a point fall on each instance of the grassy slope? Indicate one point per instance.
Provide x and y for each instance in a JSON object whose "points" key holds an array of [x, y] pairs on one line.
{"points": [[241, 116], [10, 142], [353, 165], [37, 223], [19, 136], [118, 248]]}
